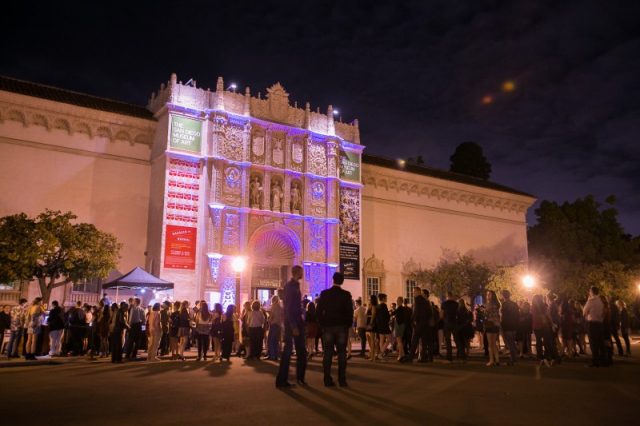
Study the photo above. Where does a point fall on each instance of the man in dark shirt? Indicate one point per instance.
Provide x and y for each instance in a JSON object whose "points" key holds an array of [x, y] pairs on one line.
{"points": [[422, 323], [335, 316], [293, 331], [449, 315]]}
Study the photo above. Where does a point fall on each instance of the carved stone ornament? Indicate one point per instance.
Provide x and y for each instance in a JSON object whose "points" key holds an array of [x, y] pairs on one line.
{"points": [[278, 150], [297, 153], [318, 159], [349, 215], [317, 190], [278, 102], [232, 178], [277, 194], [232, 144], [296, 198], [255, 193], [258, 145]]}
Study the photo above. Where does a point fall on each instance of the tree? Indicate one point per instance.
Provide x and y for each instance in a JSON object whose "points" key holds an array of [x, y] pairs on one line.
{"points": [[468, 159], [54, 251], [461, 275], [509, 278]]}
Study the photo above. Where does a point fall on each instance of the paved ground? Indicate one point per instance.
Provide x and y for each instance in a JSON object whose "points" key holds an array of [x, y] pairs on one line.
{"points": [[181, 393]]}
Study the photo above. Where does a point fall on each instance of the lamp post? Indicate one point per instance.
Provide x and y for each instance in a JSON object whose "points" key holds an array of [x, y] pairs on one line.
{"points": [[238, 264]]}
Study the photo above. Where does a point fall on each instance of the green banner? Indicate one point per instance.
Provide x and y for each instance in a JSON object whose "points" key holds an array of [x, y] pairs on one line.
{"points": [[349, 166], [185, 134]]}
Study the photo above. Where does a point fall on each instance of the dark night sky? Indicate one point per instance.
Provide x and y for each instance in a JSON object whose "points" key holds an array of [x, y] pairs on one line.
{"points": [[415, 73]]}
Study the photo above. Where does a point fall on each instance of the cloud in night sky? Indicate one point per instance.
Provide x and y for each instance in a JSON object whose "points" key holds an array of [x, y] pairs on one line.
{"points": [[415, 74]]}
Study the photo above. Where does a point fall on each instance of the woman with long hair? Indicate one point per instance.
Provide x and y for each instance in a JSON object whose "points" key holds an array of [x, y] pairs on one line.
{"points": [[256, 330], [216, 331], [579, 327], [203, 329], [154, 331], [311, 328], [35, 316], [104, 318], [541, 321], [228, 334], [117, 325], [174, 329], [401, 317], [567, 324], [245, 344], [371, 327], [464, 330], [492, 327], [184, 327]]}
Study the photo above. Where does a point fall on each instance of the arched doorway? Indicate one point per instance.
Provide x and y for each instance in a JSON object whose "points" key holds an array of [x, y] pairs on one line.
{"points": [[273, 250]]}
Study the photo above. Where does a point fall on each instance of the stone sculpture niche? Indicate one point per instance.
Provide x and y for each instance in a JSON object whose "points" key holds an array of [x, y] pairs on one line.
{"points": [[277, 194], [256, 192], [296, 197]]}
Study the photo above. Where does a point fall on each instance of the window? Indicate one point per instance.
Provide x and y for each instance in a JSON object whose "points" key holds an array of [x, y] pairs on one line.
{"points": [[87, 285], [373, 286], [409, 284]]}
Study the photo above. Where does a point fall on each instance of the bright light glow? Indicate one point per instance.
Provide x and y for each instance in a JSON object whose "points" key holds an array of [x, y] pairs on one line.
{"points": [[508, 86], [238, 264], [639, 287], [528, 281], [486, 100], [401, 162], [233, 86], [335, 112], [143, 291]]}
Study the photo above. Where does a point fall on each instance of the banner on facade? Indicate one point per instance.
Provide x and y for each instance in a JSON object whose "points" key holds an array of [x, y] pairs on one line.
{"points": [[350, 261], [180, 247], [349, 166], [185, 134]]}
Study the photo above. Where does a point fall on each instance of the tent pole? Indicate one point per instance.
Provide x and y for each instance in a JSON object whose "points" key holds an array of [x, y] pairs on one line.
{"points": [[117, 288]]}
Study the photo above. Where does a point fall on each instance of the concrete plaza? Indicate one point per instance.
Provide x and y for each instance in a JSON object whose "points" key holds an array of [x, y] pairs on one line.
{"points": [[77, 391]]}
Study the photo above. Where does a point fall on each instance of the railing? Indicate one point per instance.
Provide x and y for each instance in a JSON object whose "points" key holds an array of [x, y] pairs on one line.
{"points": [[89, 298], [9, 297]]}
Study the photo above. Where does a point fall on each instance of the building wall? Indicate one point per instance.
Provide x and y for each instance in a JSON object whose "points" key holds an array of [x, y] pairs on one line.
{"points": [[103, 180], [411, 221]]}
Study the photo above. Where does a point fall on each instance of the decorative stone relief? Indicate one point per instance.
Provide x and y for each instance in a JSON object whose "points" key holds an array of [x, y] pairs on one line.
{"points": [[231, 234], [278, 102], [296, 197], [228, 292], [232, 142], [232, 186], [317, 240], [257, 147], [318, 204], [349, 215], [277, 146], [317, 159]]}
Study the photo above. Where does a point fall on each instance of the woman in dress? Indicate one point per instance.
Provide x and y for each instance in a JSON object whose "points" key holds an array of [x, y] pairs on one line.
{"points": [[154, 331], [311, 328], [117, 326], [104, 319], [492, 327], [383, 319], [245, 344], [216, 331], [35, 316], [400, 321], [624, 325], [228, 334], [371, 327]]}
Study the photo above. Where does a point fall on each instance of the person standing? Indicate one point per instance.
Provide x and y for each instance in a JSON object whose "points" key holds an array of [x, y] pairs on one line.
{"points": [[492, 327], [164, 325], [256, 330], [624, 325], [184, 328], [216, 331], [34, 327], [615, 326], [293, 331], [401, 317], [525, 328], [334, 310], [449, 316], [117, 327], [275, 329], [5, 323], [510, 316], [422, 320], [229, 334], [18, 318], [154, 331], [56, 327], [360, 318], [594, 316], [136, 319], [204, 320], [311, 328], [464, 330], [383, 320], [174, 329]]}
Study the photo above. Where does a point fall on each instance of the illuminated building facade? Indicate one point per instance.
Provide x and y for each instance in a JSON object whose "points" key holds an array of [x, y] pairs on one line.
{"points": [[237, 175]]}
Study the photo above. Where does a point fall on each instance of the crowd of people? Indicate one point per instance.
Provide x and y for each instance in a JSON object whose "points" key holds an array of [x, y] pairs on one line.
{"points": [[407, 329]]}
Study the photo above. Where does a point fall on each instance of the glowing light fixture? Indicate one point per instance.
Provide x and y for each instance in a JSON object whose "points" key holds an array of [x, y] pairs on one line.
{"points": [[238, 264], [486, 100], [508, 86], [401, 162], [528, 281], [336, 112], [233, 86], [143, 291]]}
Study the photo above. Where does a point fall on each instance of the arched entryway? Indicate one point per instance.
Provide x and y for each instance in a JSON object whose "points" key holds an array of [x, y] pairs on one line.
{"points": [[273, 250]]}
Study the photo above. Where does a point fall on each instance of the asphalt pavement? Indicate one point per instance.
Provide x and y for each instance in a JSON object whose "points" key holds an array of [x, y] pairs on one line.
{"points": [[77, 391]]}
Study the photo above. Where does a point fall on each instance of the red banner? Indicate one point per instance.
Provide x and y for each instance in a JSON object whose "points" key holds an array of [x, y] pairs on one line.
{"points": [[180, 247]]}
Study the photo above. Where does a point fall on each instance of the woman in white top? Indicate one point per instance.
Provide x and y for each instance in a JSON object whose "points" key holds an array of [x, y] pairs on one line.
{"points": [[155, 331]]}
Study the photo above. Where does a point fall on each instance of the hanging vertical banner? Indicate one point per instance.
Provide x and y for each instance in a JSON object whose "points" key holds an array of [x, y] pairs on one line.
{"points": [[350, 233], [180, 247], [349, 166], [185, 134]]}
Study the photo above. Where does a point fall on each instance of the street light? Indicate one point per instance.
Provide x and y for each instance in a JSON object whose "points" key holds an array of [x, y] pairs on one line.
{"points": [[238, 264], [528, 281]]}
